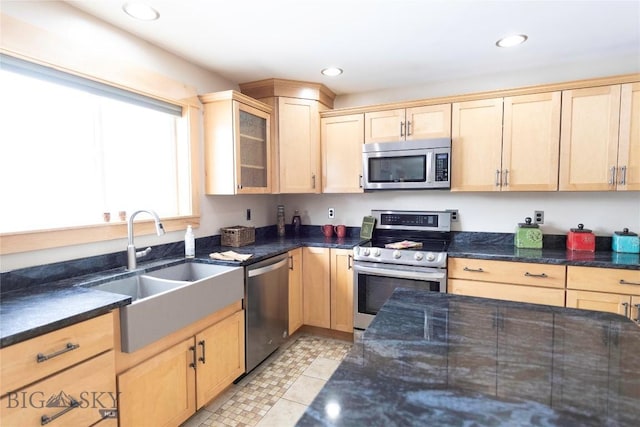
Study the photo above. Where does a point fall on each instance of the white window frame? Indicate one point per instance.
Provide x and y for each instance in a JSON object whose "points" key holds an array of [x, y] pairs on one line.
{"points": [[24, 241]]}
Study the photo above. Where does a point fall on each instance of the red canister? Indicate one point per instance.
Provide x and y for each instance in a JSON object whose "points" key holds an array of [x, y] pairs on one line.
{"points": [[581, 239]]}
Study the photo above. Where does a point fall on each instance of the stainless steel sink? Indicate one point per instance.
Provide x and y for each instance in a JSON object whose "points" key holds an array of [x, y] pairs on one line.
{"points": [[189, 271], [138, 287], [170, 298]]}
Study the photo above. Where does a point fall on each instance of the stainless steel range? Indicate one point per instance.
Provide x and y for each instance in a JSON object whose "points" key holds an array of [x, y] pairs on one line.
{"points": [[408, 250]]}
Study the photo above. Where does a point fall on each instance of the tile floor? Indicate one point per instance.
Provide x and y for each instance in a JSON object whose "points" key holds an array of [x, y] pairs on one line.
{"points": [[277, 392]]}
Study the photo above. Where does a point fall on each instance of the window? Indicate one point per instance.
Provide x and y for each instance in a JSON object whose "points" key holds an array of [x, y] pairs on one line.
{"points": [[72, 150]]}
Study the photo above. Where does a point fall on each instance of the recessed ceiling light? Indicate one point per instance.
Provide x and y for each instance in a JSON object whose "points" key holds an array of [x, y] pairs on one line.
{"points": [[141, 11], [332, 71], [513, 40]]}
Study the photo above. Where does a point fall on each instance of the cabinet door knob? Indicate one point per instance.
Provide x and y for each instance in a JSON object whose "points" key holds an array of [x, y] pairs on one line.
{"points": [[612, 175], [623, 175], [626, 309], [193, 363], [203, 358]]}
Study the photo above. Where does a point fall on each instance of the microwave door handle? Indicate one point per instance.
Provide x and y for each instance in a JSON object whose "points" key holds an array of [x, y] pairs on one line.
{"points": [[402, 274], [430, 176]]}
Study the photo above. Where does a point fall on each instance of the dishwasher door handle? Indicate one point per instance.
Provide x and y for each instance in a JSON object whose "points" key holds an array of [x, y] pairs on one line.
{"points": [[267, 268]]}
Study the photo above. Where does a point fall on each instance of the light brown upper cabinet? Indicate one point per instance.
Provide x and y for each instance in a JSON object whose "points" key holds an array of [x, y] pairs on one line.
{"points": [[476, 145], [342, 138], [600, 140], [237, 144], [629, 143], [506, 144], [296, 131], [530, 142], [431, 121]]}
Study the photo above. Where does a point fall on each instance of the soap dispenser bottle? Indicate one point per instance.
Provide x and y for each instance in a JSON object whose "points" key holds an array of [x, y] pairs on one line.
{"points": [[189, 243]]}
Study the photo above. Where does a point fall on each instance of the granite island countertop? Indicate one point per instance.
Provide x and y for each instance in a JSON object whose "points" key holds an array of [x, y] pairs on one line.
{"points": [[437, 359]]}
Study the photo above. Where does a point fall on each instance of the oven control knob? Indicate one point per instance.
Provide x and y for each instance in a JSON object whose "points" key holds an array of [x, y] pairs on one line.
{"points": [[376, 252], [431, 256], [365, 251], [418, 256], [397, 254]]}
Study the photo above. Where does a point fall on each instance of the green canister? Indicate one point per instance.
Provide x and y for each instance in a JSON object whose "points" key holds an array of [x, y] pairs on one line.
{"points": [[528, 235]]}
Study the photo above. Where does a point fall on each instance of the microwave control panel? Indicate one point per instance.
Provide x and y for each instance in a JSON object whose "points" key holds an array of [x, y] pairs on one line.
{"points": [[442, 167]]}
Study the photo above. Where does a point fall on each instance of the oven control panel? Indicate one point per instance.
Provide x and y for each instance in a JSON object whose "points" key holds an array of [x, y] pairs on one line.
{"points": [[413, 220]]}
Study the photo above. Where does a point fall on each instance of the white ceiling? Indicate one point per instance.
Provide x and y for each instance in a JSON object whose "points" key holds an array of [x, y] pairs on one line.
{"points": [[382, 44]]}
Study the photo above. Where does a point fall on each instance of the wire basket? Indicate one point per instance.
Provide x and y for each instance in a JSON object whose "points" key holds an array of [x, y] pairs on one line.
{"points": [[237, 236]]}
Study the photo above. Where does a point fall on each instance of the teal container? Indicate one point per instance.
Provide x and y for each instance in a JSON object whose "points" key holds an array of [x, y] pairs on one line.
{"points": [[625, 241]]}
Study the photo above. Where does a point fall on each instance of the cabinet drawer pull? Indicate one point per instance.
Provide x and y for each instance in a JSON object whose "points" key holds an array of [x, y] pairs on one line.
{"points": [[290, 262], [541, 275], [624, 282], [313, 181], [349, 259], [474, 270], [497, 177], [42, 357], [193, 363], [637, 319], [45, 419], [203, 358], [408, 128], [506, 177], [401, 128]]}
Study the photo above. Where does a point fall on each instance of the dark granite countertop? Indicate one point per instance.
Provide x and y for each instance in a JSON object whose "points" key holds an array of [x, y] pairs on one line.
{"points": [[41, 299], [41, 306], [435, 359], [606, 259]]}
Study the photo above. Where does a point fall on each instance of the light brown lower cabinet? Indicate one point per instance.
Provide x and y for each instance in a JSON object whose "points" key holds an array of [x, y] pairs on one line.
{"points": [[341, 290], [296, 314], [169, 387], [77, 396], [327, 278], [316, 286], [506, 280], [604, 289]]}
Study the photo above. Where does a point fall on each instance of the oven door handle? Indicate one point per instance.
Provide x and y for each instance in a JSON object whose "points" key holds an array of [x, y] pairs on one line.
{"points": [[403, 274]]}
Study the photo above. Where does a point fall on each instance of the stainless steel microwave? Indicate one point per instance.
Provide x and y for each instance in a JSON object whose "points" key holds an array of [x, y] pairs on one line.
{"points": [[407, 165]]}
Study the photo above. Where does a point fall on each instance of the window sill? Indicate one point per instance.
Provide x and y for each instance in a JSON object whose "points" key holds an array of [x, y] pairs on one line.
{"points": [[11, 243]]}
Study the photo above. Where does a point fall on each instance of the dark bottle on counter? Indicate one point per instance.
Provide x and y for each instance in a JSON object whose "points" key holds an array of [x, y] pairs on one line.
{"points": [[295, 221], [280, 221]]}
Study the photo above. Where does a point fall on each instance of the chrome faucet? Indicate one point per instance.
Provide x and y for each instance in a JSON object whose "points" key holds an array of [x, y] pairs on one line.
{"points": [[132, 255]]}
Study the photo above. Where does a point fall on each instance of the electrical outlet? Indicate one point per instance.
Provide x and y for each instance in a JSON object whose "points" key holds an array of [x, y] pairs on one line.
{"points": [[332, 213], [248, 214], [538, 217], [454, 215]]}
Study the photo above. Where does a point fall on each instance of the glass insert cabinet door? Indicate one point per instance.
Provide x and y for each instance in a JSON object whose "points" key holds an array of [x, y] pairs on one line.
{"points": [[252, 149]]}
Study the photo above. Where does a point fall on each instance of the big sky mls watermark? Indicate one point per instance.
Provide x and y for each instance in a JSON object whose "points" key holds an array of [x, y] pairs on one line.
{"points": [[105, 402]]}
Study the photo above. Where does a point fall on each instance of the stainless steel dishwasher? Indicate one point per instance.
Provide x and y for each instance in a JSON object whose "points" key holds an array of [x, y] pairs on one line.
{"points": [[266, 301]]}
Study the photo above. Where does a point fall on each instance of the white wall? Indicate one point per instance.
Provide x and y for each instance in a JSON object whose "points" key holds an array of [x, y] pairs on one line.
{"points": [[602, 212], [553, 73]]}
